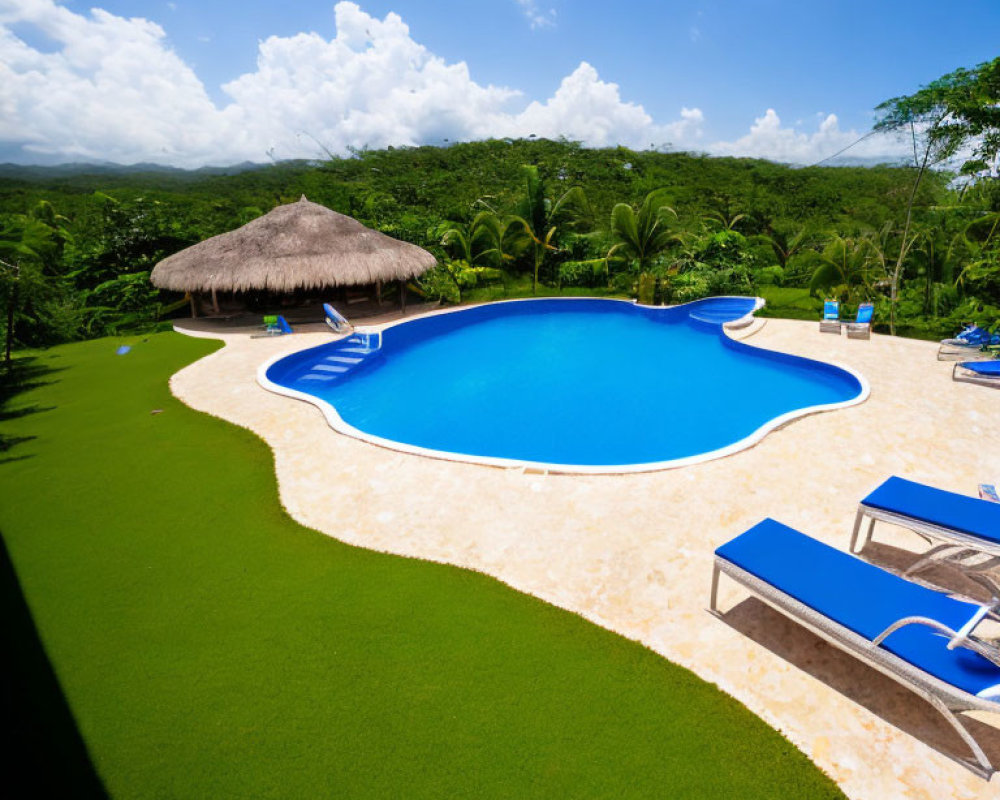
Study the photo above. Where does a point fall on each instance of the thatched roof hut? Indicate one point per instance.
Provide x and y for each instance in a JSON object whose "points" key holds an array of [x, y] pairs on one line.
{"points": [[301, 245]]}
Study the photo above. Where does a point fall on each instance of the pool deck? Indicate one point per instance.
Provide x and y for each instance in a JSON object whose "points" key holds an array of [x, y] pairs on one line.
{"points": [[633, 553]]}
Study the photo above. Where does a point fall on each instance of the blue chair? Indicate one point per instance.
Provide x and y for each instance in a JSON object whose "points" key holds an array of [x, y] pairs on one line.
{"points": [[923, 639], [971, 336], [973, 342], [337, 321], [861, 328], [275, 325], [831, 317], [985, 373]]}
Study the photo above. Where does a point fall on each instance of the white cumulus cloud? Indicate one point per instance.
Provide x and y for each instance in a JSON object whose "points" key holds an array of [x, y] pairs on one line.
{"points": [[110, 87], [768, 139], [536, 16]]}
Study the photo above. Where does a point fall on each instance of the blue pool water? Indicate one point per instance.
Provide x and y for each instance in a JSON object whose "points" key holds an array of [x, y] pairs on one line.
{"points": [[586, 382]]}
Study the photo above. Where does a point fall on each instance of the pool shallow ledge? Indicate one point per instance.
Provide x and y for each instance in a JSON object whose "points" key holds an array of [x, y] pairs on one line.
{"points": [[340, 425]]}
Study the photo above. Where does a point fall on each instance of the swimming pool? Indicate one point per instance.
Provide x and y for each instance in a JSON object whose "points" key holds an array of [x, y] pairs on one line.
{"points": [[569, 385]]}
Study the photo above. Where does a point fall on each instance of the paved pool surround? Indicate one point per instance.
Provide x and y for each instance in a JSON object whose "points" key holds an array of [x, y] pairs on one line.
{"points": [[633, 552]]}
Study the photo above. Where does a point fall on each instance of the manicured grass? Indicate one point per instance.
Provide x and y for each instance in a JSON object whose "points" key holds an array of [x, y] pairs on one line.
{"points": [[519, 285], [789, 303], [208, 646]]}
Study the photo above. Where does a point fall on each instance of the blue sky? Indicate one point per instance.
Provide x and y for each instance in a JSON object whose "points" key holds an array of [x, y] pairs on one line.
{"points": [[725, 62]]}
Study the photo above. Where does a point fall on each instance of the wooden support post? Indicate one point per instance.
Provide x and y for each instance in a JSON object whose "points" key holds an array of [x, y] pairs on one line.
{"points": [[378, 292], [194, 305], [402, 297], [215, 302]]}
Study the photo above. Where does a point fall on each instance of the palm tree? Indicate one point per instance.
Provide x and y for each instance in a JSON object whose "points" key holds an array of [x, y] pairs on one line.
{"points": [[535, 225], [642, 235], [935, 256], [980, 241], [25, 245], [786, 244], [845, 268], [724, 220], [478, 242]]}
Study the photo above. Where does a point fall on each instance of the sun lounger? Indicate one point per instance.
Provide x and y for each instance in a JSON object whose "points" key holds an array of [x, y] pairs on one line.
{"points": [[337, 321], [971, 336], [831, 317], [970, 344], [274, 325], [985, 373], [861, 328], [923, 639], [965, 528]]}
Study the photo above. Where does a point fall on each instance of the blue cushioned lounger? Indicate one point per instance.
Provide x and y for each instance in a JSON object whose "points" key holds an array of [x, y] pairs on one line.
{"points": [[922, 638], [972, 336], [955, 520], [831, 321], [337, 321], [861, 328], [985, 373]]}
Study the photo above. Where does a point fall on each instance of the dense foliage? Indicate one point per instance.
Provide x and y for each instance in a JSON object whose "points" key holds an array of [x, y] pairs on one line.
{"points": [[76, 247]]}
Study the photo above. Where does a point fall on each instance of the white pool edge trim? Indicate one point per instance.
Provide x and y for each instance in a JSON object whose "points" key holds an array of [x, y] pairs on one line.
{"points": [[340, 425]]}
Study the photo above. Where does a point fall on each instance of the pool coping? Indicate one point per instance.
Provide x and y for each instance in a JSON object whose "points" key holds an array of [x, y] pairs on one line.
{"points": [[341, 426]]}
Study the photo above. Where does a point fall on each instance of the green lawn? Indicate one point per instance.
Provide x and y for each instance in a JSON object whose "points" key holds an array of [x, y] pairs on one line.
{"points": [[204, 645], [789, 303]]}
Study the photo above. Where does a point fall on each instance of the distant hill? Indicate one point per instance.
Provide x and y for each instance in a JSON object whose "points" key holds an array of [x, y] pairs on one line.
{"points": [[408, 191], [33, 172]]}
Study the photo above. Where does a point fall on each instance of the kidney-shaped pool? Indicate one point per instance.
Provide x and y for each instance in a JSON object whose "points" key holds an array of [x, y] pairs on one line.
{"points": [[570, 385]]}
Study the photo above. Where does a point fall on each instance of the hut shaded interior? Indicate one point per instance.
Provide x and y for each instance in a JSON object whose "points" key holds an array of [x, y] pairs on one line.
{"points": [[293, 259]]}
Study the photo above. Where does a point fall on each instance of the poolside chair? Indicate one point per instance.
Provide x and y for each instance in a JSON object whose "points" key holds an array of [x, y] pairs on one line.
{"points": [[274, 325], [965, 528], [970, 344], [985, 373], [861, 328], [831, 321], [923, 639], [969, 336], [337, 321]]}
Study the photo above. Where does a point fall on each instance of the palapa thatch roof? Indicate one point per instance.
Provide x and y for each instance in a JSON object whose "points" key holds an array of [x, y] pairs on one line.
{"points": [[301, 245]]}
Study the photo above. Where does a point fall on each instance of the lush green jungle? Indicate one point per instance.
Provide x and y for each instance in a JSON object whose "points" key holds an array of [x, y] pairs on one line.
{"points": [[521, 217]]}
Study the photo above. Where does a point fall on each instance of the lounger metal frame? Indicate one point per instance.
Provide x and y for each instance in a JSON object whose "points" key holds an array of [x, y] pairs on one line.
{"points": [[969, 376], [946, 353], [974, 556], [830, 325], [858, 330], [944, 697]]}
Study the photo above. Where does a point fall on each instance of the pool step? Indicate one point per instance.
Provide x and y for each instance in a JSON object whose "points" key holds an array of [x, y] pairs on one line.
{"points": [[343, 359], [351, 354]]}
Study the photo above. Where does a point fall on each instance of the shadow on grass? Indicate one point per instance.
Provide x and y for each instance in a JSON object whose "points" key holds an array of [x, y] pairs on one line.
{"points": [[43, 746], [24, 374], [864, 685]]}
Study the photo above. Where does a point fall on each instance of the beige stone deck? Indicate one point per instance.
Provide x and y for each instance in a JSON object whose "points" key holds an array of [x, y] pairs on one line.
{"points": [[634, 552]]}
